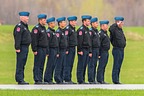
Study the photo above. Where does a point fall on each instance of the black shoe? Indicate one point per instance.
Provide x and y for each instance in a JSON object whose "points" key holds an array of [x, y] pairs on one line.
{"points": [[38, 83], [117, 83], [44, 83], [60, 83], [23, 83], [82, 83], [73, 82], [50, 82], [94, 82], [103, 82], [70, 82]]}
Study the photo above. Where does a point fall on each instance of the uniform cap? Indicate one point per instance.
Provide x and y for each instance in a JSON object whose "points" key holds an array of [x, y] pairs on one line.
{"points": [[23, 13], [119, 18], [94, 19], [52, 19], [61, 19], [86, 17], [104, 22], [40, 16], [71, 18]]}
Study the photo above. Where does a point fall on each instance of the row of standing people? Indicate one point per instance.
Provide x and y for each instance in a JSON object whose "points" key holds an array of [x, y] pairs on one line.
{"points": [[60, 48]]}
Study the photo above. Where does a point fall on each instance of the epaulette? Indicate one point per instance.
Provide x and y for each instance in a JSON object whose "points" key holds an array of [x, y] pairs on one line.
{"points": [[18, 24], [67, 27], [81, 27], [99, 32], [37, 26]]}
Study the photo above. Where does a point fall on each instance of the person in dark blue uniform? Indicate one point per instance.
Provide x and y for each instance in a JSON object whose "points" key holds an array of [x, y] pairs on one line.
{"points": [[60, 63], [84, 48], [22, 39], [118, 42], [104, 48], [95, 51], [72, 43], [39, 48], [53, 51]]}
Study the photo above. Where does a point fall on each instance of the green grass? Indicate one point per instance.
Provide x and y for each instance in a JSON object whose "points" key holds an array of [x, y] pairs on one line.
{"points": [[131, 72], [91, 92], [138, 30]]}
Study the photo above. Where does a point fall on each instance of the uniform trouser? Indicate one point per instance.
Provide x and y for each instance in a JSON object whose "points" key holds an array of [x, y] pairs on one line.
{"points": [[92, 65], [39, 61], [21, 62], [118, 55], [48, 76], [102, 65], [81, 66], [60, 63], [69, 64]]}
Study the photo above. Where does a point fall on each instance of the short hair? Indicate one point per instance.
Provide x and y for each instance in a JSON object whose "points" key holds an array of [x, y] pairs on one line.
{"points": [[84, 20], [59, 23]]}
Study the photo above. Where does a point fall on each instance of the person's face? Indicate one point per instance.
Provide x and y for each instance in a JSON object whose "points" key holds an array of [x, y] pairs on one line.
{"points": [[105, 27], [95, 24], [120, 24], [42, 21], [87, 22], [62, 24], [73, 23], [51, 24], [25, 19]]}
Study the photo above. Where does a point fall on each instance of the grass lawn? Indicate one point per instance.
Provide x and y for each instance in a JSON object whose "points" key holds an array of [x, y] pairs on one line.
{"points": [[92, 92], [131, 72]]}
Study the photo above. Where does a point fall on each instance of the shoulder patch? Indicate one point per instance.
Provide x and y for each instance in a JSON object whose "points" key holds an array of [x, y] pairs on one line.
{"points": [[66, 32], [57, 34], [80, 33], [18, 29], [48, 34], [35, 31], [90, 33]]}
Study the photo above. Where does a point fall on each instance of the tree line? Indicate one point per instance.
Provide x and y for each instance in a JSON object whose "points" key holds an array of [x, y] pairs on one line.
{"points": [[103, 9]]}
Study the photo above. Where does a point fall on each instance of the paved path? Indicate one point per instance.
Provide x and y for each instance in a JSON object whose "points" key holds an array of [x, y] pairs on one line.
{"points": [[75, 87]]}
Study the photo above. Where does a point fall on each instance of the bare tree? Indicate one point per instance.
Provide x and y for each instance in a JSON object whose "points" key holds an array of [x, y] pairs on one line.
{"points": [[103, 9], [130, 9]]}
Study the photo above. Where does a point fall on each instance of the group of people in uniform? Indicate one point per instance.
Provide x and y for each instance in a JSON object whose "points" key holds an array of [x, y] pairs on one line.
{"points": [[58, 48]]}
